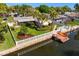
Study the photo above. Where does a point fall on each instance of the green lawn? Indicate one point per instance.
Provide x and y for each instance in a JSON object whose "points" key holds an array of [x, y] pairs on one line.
{"points": [[32, 31], [9, 18], [8, 42], [35, 32], [75, 22]]}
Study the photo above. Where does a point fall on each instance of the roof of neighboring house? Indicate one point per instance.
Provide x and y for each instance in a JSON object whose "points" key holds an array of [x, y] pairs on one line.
{"points": [[62, 17], [72, 14], [24, 19]]}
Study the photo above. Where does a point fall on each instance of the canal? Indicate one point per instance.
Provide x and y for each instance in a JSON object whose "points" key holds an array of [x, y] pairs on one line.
{"points": [[51, 47], [70, 48]]}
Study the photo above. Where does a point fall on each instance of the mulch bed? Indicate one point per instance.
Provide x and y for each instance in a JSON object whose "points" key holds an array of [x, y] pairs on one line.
{"points": [[24, 36]]}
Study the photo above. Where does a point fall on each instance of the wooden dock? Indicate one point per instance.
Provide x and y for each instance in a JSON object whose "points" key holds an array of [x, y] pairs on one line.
{"points": [[61, 38]]}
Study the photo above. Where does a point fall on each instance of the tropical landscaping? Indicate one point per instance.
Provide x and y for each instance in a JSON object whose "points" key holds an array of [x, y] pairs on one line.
{"points": [[11, 30]]}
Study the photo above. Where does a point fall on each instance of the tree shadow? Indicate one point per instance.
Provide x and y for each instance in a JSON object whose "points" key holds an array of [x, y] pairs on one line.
{"points": [[56, 40]]}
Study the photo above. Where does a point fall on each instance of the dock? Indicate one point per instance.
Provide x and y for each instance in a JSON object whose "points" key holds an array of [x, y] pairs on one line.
{"points": [[63, 37]]}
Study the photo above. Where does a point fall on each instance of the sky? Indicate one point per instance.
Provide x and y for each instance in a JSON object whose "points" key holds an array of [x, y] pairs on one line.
{"points": [[71, 5]]}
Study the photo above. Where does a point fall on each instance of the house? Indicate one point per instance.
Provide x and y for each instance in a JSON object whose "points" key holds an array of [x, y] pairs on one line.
{"points": [[31, 19], [61, 19], [24, 19], [46, 23], [72, 14], [14, 14], [27, 20]]}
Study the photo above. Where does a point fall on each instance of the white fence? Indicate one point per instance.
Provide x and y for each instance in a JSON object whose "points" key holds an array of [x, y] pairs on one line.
{"points": [[38, 37], [49, 34]]}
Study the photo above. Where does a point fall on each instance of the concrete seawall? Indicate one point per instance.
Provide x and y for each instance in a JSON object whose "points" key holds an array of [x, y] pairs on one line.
{"points": [[25, 44]]}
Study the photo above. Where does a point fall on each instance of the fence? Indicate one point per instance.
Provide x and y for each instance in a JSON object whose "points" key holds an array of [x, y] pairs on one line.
{"points": [[38, 37], [46, 35]]}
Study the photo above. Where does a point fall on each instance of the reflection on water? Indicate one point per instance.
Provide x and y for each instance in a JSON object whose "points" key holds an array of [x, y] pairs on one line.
{"points": [[55, 48]]}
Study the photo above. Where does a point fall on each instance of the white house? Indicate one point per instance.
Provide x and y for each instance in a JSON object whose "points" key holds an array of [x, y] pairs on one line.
{"points": [[11, 24], [46, 23]]}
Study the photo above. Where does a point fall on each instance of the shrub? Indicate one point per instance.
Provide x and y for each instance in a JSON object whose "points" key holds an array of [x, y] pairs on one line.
{"points": [[1, 37], [23, 30]]}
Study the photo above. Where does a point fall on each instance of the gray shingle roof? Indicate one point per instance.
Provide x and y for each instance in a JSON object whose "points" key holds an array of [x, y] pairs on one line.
{"points": [[24, 19]]}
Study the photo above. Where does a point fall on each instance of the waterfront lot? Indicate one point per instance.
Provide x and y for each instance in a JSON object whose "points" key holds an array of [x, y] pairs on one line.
{"points": [[8, 42]]}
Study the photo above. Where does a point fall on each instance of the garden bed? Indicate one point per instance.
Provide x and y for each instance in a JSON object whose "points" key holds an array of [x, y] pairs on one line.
{"points": [[24, 36]]}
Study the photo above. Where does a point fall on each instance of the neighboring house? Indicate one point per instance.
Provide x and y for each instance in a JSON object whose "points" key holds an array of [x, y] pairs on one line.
{"points": [[24, 19], [46, 23], [61, 19], [72, 14], [13, 14], [30, 18], [27, 20]]}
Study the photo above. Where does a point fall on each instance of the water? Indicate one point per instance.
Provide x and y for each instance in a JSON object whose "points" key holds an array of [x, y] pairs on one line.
{"points": [[70, 48]]}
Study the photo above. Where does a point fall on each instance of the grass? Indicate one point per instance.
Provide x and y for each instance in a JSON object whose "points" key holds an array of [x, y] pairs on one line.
{"points": [[31, 31], [10, 18], [75, 22], [8, 42], [35, 32], [15, 32]]}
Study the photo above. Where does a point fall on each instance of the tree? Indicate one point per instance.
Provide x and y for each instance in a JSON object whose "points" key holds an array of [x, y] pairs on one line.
{"points": [[43, 8], [2, 28], [65, 9], [53, 14], [57, 9], [2, 25], [76, 6], [23, 29], [23, 9], [1, 37], [3, 8], [36, 13]]}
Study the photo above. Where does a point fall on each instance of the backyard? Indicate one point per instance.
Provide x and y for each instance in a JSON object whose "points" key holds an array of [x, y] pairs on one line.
{"points": [[73, 23], [9, 42], [32, 31]]}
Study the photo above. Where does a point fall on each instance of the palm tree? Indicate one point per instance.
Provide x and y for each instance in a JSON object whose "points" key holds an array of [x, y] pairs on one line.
{"points": [[65, 9], [76, 6], [53, 14], [3, 8]]}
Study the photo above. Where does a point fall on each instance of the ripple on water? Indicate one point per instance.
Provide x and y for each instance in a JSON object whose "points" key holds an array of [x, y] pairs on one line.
{"points": [[55, 48]]}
